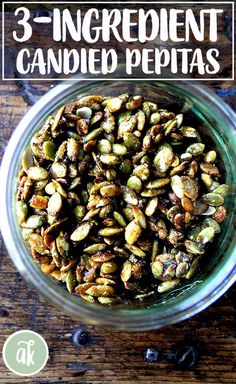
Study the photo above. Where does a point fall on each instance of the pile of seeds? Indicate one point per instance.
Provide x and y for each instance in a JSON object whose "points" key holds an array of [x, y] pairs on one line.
{"points": [[119, 199]]}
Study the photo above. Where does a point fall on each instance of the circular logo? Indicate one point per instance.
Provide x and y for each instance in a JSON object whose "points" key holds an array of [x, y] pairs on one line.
{"points": [[25, 353]]}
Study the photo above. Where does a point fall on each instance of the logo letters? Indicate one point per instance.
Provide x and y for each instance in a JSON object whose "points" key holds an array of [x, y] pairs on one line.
{"points": [[25, 354]]}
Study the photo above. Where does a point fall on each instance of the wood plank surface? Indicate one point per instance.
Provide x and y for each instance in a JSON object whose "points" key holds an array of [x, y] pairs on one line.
{"points": [[111, 356]]}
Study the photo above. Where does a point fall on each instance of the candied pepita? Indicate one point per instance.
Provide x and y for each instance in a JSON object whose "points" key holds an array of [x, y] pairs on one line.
{"points": [[164, 158], [126, 271], [100, 290], [139, 217], [71, 281], [21, 211], [220, 214], [222, 190], [206, 235], [110, 231], [37, 173], [110, 190], [108, 267], [119, 199], [132, 232], [167, 285], [151, 206], [213, 199], [120, 219], [33, 222], [82, 231], [158, 183], [196, 149], [54, 204]]}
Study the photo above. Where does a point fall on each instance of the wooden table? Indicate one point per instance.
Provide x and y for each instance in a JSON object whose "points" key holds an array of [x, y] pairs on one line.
{"points": [[110, 356]]}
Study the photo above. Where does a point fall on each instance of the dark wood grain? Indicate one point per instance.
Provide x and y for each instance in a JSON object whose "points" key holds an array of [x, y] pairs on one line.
{"points": [[111, 356]]}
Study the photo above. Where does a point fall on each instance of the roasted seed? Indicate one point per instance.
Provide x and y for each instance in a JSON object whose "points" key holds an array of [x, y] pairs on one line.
{"points": [[133, 178], [37, 173], [110, 231], [151, 206], [132, 232], [167, 285], [100, 290], [81, 232], [213, 199], [139, 217]]}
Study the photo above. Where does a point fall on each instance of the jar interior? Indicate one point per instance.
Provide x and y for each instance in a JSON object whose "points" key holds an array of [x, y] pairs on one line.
{"points": [[212, 129]]}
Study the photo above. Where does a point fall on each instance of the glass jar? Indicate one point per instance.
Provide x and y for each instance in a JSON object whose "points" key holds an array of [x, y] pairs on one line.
{"points": [[217, 122]]}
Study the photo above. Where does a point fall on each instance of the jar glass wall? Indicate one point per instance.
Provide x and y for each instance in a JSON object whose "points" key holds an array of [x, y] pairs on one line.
{"points": [[216, 122]]}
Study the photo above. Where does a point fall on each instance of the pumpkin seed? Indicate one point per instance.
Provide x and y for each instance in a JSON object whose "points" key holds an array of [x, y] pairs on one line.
{"points": [[196, 149], [192, 270], [114, 104], [27, 160], [108, 300], [49, 150], [210, 157], [129, 196], [21, 211], [108, 267], [33, 222], [163, 158], [139, 217], [81, 232], [59, 169], [62, 245], [222, 190], [70, 281], [109, 159], [151, 206], [126, 271], [85, 113], [213, 199], [132, 232], [141, 191], [142, 171], [157, 268], [100, 290], [110, 190], [37, 173], [123, 116], [193, 247], [110, 231], [120, 219], [54, 204], [134, 183], [189, 132], [206, 235], [104, 146], [135, 250], [158, 183], [167, 285], [119, 149]]}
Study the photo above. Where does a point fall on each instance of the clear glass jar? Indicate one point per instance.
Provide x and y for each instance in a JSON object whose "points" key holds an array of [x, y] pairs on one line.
{"points": [[218, 122]]}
